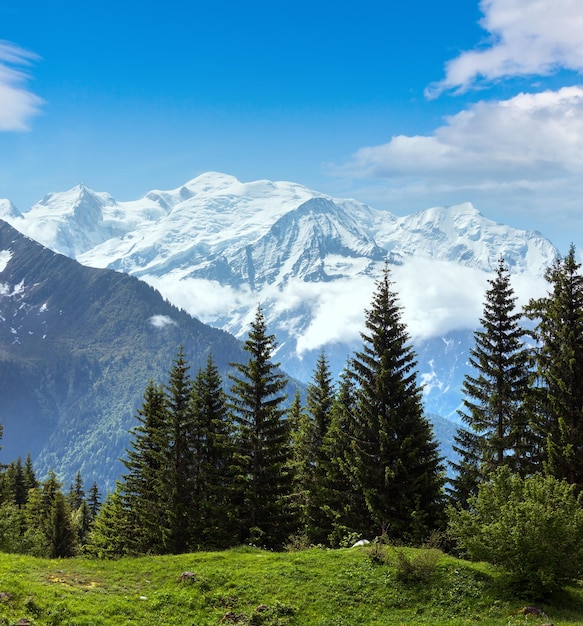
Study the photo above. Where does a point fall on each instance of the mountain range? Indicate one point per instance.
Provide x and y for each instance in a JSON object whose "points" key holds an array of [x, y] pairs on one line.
{"points": [[218, 247], [96, 296]]}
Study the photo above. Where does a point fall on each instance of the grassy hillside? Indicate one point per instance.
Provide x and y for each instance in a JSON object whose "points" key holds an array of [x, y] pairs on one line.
{"points": [[316, 587]]}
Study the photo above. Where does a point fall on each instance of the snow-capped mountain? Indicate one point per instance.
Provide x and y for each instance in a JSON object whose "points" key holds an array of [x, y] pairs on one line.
{"points": [[218, 247]]}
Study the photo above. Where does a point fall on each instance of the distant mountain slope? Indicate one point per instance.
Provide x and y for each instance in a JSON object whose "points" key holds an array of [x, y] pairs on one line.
{"points": [[77, 348], [217, 247]]}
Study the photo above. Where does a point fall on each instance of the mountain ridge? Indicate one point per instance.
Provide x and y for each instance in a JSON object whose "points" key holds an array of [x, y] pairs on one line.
{"points": [[78, 346], [218, 247]]}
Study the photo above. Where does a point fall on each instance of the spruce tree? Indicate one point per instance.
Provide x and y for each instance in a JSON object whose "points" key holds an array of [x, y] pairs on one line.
{"points": [[346, 508], [212, 517], [59, 529], [76, 495], [393, 455], [15, 490], [494, 408], [30, 481], [177, 475], [80, 513], [312, 453], [143, 488], [111, 528], [559, 368], [94, 500], [262, 441], [297, 420]]}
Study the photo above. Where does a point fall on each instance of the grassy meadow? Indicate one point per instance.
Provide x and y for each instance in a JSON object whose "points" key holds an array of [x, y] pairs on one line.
{"points": [[316, 587]]}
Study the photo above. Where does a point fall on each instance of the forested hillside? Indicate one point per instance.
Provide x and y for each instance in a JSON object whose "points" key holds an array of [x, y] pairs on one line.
{"points": [[77, 348]]}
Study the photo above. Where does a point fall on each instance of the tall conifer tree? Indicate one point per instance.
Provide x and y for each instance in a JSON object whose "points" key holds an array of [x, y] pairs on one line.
{"points": [[494, 404], [347, 506], [177, 476], [262, 440], [394, 455], [212, 517], [559, 362], [312, 453], [142, 492]]}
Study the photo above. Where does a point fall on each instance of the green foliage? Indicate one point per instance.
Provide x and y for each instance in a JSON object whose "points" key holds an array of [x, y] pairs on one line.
{"points": [[416, 567], [497, 427], [393, 455], [212, 519], [111, 531], [11, 528], [558, 397], [313, 473], [262, 442], [532, 528]]}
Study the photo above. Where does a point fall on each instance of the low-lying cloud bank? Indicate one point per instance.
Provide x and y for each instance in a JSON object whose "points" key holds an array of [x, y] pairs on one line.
{"points": [[436, 297]]}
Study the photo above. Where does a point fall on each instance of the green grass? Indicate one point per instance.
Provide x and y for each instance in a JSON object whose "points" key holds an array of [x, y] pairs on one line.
{"points": [[316, 587]]}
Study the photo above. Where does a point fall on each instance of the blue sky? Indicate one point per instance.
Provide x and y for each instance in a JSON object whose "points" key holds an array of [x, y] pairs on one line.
{"points": [[401, 105]]}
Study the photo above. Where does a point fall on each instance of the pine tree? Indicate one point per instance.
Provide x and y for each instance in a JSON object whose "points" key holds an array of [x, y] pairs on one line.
{"points": [[312, 453], [177, 475], [30, 481], [49, 528], [297, 421], [15, 490], [94, 500], [142, 488], [346, 508], [494, 404], [211, 515], [80, 513], [262, 440], [394, 455], [76, 495], [111, 528], [59, 529], [559, 363]]}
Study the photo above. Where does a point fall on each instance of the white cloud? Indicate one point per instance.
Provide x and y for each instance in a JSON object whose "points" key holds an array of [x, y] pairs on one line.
{"points": [[527, 37], [529, 139], [160, 321], [521, 156], [439, 296], [17, 104], [337, 310], [207, 300], [436, 297]]}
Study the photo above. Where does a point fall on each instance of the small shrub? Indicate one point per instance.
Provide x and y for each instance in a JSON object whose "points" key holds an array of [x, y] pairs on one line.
{"points": [[377, 553], [342, 537], [297, 543], [418, 566]]}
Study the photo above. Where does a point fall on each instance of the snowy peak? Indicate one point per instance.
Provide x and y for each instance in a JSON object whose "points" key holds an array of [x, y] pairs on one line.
{"points": [[461, 234], [8, 210], [301, 242], [223, 229], [69, 222]]}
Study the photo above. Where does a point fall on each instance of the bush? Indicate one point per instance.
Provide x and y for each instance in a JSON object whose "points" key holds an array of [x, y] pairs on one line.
{"points": [[416, 567], [531, 528]]}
